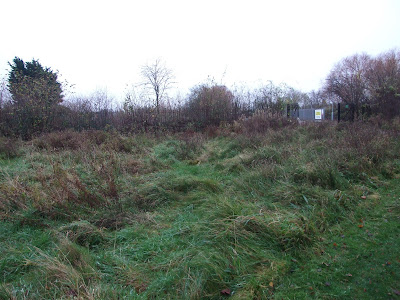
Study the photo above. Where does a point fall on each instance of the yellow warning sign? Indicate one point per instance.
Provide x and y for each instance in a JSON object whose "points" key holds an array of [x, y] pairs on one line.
{"points": [[318, 114]]}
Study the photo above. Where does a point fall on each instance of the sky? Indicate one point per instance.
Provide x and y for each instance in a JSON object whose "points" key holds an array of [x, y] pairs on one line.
{"points": [[101, 45]]}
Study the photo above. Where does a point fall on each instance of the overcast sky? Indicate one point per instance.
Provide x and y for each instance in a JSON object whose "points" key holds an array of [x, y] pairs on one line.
{"points": [[102, 44]]}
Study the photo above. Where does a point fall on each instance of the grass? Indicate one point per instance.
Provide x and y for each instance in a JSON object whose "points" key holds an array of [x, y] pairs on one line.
{"points": [[293, 213], [357, 259]]}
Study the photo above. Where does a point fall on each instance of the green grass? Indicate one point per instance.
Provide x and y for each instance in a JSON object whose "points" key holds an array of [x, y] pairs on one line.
{"points": [[357, 259], [272, 215]]}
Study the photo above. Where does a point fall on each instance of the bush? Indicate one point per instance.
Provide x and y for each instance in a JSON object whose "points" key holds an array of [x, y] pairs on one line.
{"points": [[9, 148], [61, 140], [261, 122], [364, 147], [73, 140]]}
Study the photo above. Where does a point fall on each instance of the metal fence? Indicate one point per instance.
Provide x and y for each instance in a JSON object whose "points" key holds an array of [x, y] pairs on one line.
{"points": [[306, 114]]}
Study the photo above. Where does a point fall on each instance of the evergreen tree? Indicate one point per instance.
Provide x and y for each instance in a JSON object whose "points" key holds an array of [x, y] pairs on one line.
{"points": [[35, 92]]}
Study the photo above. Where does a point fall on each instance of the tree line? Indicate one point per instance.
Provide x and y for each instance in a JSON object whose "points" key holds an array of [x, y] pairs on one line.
{"points": [[32, 99], [370, 85]]}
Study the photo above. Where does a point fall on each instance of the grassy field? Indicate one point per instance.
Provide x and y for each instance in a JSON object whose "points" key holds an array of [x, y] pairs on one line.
{"points": [[298, 212]]}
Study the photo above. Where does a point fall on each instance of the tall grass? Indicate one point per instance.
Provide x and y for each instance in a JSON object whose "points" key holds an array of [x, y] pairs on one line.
{"points": [[187, 216]]}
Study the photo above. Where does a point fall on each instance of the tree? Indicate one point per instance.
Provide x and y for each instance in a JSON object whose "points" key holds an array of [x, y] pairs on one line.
{"points": [[384, 83], [31, 80], [273, 99], [367, 85], [35, 92], [102, 106], [158, 79], [293, 96], [347, 81], [315, 99], [210, 103]]}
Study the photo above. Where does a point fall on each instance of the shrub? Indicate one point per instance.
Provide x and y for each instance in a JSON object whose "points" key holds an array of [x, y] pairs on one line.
{"points": [[260, 123], [364, 147], [61, 140], [87, 140], [9, 148]]}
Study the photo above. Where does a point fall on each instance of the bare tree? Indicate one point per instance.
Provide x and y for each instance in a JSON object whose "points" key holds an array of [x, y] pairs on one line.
{"points": [[102, 103], [347, 81], [384, 83], [316, 99], [101, 100], [157, 78], [273, 98]]}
